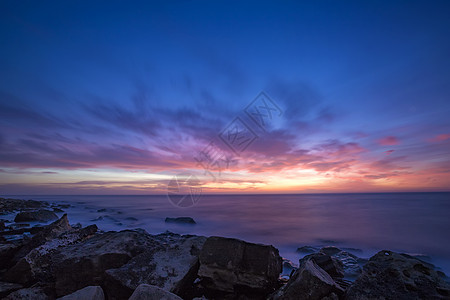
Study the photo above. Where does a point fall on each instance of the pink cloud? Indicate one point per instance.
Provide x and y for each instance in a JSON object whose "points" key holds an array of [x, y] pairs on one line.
{"points": [[440, 137], [389, 141]]}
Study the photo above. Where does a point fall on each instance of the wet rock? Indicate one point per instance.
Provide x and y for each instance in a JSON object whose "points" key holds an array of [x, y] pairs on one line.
{"points": [[88, 293], [234, 266], [2, 225], [329, 264], [390, 275], [309, 282], [151, 292], [41, 215], [180, 220], [8, 287], [32, 293], [171, 263]]}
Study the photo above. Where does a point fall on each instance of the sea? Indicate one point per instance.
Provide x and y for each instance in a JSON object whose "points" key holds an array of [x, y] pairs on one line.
{"points": [[363, 224]]}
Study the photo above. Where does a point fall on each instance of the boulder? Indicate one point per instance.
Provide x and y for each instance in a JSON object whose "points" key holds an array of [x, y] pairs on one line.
{"points": [[151, 292], [33, 258], [170, 263], [234, 266], [41, 215], [8, 287], [309, 282], [88, 293], [329, 264], [34, 293], [390, 275], [180, 220]]}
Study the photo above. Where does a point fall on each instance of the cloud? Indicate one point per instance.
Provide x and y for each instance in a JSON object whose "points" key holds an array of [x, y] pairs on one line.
{"points": [[440, 137], [389, 141]]}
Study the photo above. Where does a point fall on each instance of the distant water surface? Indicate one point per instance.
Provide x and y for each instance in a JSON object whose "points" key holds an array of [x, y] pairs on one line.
{"points": [[415, 223]]}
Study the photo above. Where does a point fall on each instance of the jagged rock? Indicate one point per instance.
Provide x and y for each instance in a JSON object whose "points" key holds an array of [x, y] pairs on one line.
{"points": [[170, 263], [329, 264], [309, 282], [390, 275], [8, 287], [32, 293], [231, 265], [85, 263], [151, 292], [41, 215], [180, 220], [88, 293], [32, 259]]}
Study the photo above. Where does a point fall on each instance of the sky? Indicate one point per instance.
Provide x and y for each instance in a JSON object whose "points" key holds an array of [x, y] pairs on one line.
{"points": [[121, 97]]}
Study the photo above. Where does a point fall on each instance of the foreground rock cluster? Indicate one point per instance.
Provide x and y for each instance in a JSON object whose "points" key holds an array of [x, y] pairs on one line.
{"points": [[60, 261]]}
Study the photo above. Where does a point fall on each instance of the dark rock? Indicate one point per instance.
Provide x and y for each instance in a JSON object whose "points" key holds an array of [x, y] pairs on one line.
{"points": [[151, 292], [88, 293], [32, 293], [330, 250], [58, 210], [309, 282], [101, 210], [131, 219], [234, 266], [41, 215], [329, 264], [2, 225], [11, 205], [82, 264], [171, 263], [389, 275], [32, 259], [180, 220], [307, 250], [8, 287]]}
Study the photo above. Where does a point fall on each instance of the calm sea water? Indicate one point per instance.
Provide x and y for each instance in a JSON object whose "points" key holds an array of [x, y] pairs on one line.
{"points": [[415, 223]]}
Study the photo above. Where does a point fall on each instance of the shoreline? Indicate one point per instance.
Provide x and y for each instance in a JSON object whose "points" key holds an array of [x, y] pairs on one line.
{"points": [[40, 243]]}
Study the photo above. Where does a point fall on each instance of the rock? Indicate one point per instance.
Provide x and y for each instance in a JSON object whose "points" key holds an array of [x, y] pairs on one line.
{"points": [[11, 205], [2, 225], [32, 258], [8, 287], [307, 250], [329, 264], [309, 282], [151, 292], [85, 263], [41, 215], [330, 250], [58, 210], [88, 293], [232, 266], [171, 263], [390, 275], [180, 220], [34, 293]]}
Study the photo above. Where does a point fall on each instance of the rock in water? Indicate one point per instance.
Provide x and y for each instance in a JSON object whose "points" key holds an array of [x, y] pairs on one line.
{"points": [[329, 264], [88, 293], [180, 220], [309, 282], [390, 275], [151, 292], [170, 263], [41, 215], [234, 266]]}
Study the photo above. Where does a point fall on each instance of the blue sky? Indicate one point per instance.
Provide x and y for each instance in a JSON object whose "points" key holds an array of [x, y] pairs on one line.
{"points": [[83, 82]]}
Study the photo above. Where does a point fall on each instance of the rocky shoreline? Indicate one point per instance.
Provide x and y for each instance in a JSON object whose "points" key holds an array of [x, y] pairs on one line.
{"points": [[64, 261]]}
